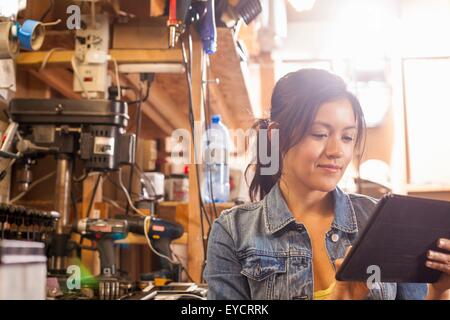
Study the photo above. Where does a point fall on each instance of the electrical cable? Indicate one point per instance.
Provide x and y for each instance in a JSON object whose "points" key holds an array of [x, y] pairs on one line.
{"points": [[147, 93], [94, 191], [147, 218], [147, 222], [207, 114], [149, 181], [127, 195], [48, 55], [191, 122], [81, 178], [146, 228], [9, 165], [49, 9], [138, 126], [116, 71], [19, 196], [73, 200], [203, 212], [138, 131], [119, 187], [151, 247], [113, 203], [182, 267]]}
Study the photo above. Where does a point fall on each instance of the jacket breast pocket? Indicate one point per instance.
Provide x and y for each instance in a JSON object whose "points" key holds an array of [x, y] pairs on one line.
{"points": [[262, 271]]}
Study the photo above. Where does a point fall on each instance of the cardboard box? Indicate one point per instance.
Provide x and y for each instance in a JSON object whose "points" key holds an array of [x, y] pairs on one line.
{"points": [[143, 33], [150, 154]]}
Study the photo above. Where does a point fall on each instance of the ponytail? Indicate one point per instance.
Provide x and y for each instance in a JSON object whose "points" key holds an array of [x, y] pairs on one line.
{"points": [[261, 184]]}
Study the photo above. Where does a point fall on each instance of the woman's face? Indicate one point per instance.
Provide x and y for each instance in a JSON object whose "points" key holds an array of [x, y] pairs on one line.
{"points": [[319, 160]]}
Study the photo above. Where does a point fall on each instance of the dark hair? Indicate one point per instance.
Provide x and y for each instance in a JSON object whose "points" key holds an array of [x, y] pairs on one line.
{"points": [[295, 102]]}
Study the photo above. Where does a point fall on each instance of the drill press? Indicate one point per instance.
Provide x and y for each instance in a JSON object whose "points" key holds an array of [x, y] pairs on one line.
{"points": [[90, 130]]}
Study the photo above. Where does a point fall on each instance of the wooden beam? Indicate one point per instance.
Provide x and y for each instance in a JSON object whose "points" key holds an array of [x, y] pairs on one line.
{"points": [[218, 103], [157, 7], [58, 79], [88, 188], [150, 111], [63, 57], [267, 76], [196, 253], [164, 104], [167, 107], [249, 35], [227, 66]]}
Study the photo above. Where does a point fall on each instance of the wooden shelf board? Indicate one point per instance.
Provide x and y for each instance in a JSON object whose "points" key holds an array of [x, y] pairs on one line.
{"points": [[63, 57]]}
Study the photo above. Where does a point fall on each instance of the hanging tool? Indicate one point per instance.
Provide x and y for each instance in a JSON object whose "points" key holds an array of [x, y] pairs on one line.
{"points": [[176, 22]]}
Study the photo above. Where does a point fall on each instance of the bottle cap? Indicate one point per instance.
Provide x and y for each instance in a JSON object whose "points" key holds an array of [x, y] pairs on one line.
{"points": [[215, 118]]}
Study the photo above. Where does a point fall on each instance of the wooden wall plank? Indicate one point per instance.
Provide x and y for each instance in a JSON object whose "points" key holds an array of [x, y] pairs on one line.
{"points": [[195, 242]]}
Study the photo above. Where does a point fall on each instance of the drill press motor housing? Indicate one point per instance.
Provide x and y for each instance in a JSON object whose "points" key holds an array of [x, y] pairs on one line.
{"points": [[92, 129]]}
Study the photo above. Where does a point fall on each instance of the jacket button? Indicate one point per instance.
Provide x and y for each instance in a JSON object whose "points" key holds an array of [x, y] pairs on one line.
{"points": [[334, 237]]}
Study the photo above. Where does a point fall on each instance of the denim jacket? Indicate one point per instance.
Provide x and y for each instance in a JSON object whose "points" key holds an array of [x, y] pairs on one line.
{"points": [[258, 250]]}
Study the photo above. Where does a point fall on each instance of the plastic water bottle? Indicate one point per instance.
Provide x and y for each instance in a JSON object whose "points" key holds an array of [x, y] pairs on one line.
{"points": [[216, 174]]}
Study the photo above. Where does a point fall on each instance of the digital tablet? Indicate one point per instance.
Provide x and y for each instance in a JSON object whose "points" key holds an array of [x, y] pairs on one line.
{"points": [[396, 240]]}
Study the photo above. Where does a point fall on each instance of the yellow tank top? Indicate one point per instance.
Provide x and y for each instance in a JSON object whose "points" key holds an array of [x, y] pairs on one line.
{"points": [[323, 294]]}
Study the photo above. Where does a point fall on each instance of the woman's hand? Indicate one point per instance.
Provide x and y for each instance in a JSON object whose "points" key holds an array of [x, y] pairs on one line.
{"points": [[348, 290], [440, 261]]}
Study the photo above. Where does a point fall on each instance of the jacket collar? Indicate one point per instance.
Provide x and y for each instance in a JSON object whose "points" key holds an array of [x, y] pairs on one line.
{"points": [[277, 214]]}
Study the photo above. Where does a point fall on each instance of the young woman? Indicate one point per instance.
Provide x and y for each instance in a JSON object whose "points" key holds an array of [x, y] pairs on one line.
{"points": [[290, 244]]}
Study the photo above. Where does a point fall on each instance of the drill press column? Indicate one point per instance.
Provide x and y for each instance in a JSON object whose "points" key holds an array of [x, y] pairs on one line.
{"points": [[62, 193]]}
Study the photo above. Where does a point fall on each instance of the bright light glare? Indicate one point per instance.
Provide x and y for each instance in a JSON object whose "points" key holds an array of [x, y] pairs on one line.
{"points": [[302, 5], [428, 110], [364, 29], [11, 7]]}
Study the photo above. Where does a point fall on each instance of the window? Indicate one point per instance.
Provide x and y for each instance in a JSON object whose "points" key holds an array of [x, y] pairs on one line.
{"points": [[427, 101]]}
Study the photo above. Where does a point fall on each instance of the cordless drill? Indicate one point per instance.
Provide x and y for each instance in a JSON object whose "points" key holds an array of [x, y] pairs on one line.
{"points": [[161, 234], [105, 231]]}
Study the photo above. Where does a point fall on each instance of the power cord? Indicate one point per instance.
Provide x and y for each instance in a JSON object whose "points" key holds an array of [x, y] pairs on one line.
{"points": [[203, 212], [94, 191], [149, 79], [127, 195], [116, 72], [35, 183], [207, 113], [146, 228]]}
